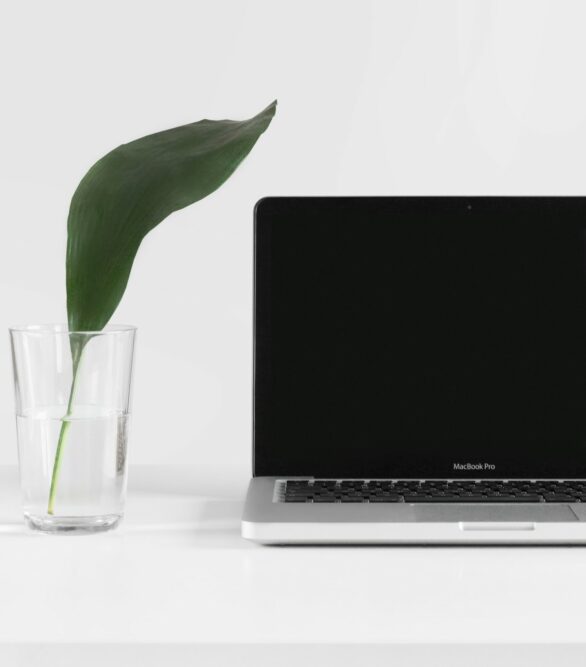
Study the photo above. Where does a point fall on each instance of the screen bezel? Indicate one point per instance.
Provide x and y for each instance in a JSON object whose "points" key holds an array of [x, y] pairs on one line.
{"points": [[271, 210]]}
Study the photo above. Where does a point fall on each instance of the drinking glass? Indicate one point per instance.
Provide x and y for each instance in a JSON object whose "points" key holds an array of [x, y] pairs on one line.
{"points": [[72, 392]]}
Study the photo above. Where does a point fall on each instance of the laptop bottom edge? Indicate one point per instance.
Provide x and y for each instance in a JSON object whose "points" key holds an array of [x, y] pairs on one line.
{"points": [[460, 533]]}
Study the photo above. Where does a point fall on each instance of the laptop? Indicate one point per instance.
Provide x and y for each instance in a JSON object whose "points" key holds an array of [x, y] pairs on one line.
{"points": [[419, 371]]}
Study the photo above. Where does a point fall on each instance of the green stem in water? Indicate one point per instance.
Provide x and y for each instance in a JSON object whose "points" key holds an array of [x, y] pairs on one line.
{"points": [[65, 423], [76, 352]]}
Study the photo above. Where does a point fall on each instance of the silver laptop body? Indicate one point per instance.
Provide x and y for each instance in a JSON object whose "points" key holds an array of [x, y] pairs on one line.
{"points": [[419, 371]]}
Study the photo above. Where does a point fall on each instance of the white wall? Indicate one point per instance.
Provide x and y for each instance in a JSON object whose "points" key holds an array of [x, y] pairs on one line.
{"points": [[436, 97]]}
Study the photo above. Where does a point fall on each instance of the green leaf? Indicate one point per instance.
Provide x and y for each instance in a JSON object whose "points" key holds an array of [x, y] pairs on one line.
{"points": [[130, 191]]}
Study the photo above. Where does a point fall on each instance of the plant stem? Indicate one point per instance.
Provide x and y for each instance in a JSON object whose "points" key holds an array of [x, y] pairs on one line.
{"points": [[76, 352], [65, 423]]}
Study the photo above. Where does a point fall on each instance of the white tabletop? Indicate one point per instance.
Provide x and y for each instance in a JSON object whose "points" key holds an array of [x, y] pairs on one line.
{"points": [[177, 574]]}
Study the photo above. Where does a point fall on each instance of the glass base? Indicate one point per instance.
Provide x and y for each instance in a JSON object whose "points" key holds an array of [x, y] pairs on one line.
{"points": [[72, 524]]}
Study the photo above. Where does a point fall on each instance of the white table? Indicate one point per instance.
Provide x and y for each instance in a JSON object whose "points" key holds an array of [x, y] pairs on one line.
{"points": [[176, 585]]}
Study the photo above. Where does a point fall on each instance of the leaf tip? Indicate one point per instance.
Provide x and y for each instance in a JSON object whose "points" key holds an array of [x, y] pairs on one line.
{"points": [[272, 108]]}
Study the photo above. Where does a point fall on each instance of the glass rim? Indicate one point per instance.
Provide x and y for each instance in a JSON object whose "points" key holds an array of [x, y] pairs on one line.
{"points": [[63, 329]]}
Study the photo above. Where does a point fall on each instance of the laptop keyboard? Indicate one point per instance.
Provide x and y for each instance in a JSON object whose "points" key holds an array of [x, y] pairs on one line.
{"points": [[432, 491]]}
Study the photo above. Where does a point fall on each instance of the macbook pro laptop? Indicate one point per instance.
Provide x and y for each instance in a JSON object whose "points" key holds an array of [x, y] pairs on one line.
{"points": [[419, 371]]}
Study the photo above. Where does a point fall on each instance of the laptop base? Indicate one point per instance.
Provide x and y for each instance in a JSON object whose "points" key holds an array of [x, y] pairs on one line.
{"points": [[268, 521]]}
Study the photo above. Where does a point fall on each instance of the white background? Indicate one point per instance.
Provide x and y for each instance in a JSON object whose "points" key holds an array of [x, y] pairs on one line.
{"points": [[383, 98]]}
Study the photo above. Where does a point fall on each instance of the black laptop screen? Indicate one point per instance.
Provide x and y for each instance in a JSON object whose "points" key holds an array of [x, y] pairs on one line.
{"points": [[420, 337]]}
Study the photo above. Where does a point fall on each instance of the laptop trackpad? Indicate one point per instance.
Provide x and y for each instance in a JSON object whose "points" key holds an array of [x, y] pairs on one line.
{"points": [[497, 513]]}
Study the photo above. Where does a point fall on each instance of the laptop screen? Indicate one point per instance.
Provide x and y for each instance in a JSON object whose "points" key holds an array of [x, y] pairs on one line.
{"points": [[420, 337]]}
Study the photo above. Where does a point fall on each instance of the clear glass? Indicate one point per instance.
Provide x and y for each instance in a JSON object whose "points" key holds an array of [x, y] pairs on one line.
{"points": [[72, 411]]}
